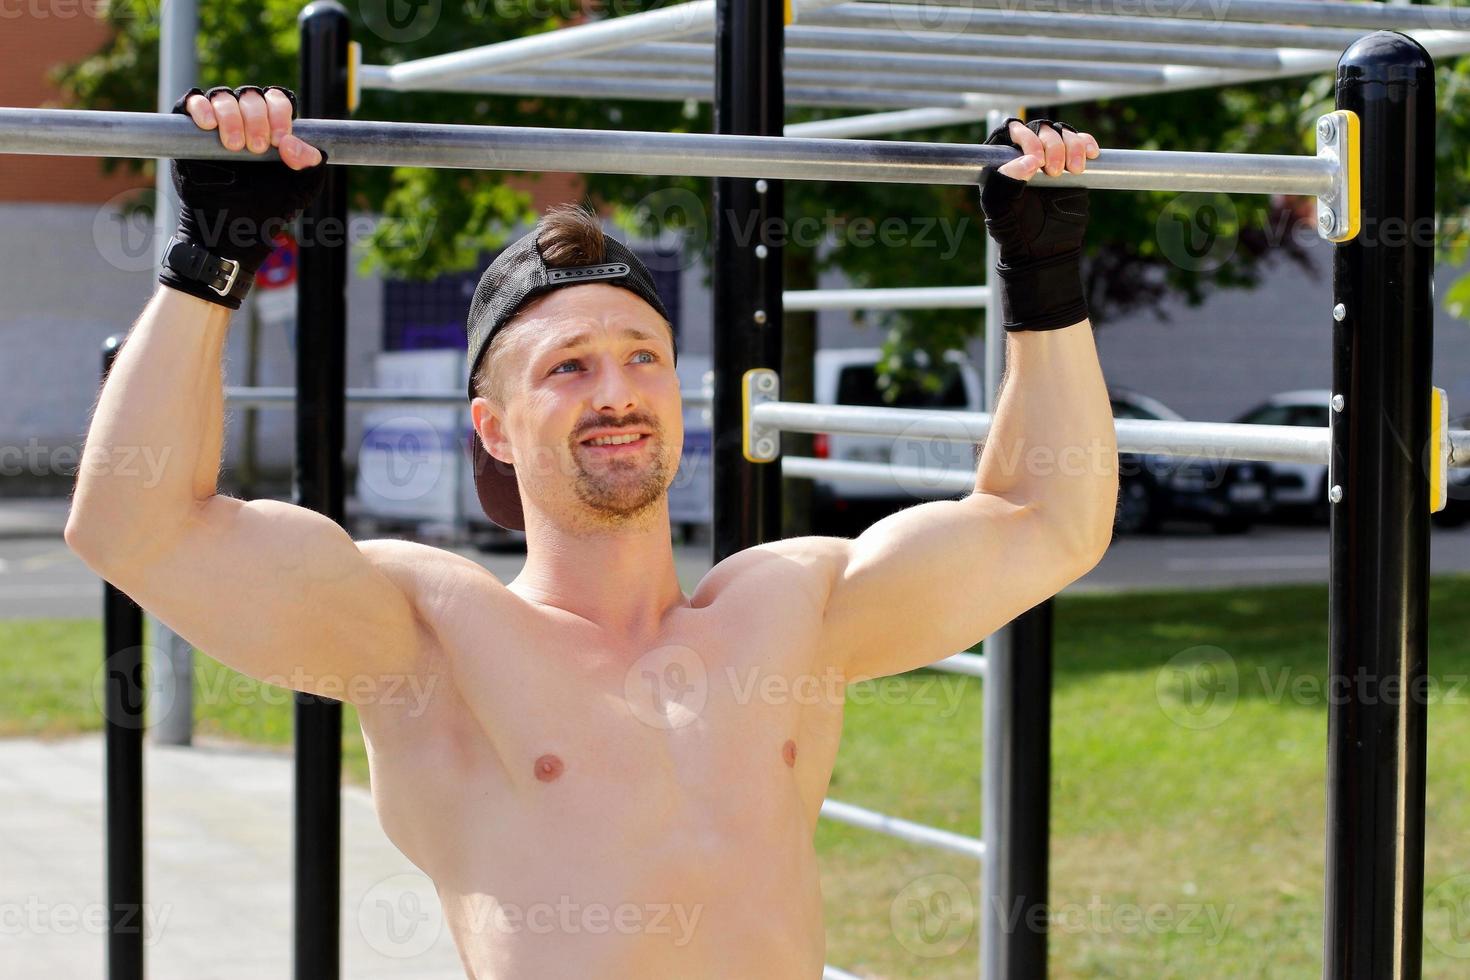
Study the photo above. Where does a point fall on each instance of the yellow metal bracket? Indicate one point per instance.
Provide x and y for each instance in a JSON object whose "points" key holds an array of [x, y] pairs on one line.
{"points": [[1339, 212]]}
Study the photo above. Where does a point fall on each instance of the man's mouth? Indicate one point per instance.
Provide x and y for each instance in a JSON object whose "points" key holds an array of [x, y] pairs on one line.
{"points": [[615, 440]]}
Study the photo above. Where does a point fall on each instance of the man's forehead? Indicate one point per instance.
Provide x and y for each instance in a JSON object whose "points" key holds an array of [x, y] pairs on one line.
{"points": [[552, 329]]}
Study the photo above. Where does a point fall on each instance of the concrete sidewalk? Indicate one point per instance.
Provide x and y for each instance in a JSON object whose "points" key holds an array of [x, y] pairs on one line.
{"points": [[218, 870]]}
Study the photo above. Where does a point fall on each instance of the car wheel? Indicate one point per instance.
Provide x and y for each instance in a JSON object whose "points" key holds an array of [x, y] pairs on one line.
{"points": [[1136, 513]]}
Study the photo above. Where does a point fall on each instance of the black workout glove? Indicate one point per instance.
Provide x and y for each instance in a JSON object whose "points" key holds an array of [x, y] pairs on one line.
{"points": [[1039, 231], [233, 209]]}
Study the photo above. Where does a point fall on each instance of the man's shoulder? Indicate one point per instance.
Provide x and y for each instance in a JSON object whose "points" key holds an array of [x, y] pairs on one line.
{"points": [[810, 561], [424, 571]]}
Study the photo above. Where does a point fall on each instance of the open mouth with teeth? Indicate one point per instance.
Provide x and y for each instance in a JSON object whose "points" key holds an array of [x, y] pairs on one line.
{"points": [[627, 441]]}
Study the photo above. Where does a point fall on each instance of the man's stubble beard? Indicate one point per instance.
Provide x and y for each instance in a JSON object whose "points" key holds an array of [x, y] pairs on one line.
{"points": [[624, 491]]}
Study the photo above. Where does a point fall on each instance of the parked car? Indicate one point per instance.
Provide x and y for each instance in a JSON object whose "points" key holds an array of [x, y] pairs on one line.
{"points": [[849, 377], [1298, 490], [1228, 495]]}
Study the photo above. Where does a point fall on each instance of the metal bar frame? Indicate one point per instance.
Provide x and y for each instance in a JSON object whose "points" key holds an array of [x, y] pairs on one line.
{"points": [[320, 485], [124, 698], [907, 830], [1311, 13], [362, 143], [1197, 440], [900, 298], [1378, 598]]}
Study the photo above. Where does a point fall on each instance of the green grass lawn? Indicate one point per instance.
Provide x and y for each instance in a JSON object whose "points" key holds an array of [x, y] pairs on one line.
{"points": [[1187, 822]]}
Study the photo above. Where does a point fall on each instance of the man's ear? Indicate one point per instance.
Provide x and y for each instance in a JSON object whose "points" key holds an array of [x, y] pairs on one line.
{"points": [[490, 428]]}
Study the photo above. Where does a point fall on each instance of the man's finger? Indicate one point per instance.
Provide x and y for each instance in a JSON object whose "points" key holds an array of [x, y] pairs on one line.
{"points": [[1025, 140], [278, 109], [231, 125], [257, 122], [199, 109], [1055, 152]]}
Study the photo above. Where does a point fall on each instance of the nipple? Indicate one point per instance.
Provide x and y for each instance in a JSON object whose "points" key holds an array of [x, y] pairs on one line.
{"points": [[788, 752], [548, 767]]}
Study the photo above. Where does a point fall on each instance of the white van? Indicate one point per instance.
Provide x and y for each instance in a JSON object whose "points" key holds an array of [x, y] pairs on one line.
{"points": [[849, 377]]}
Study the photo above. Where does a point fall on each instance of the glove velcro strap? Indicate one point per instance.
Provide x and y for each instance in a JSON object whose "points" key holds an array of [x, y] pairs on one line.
{"points": [[1045, 295], [205, 274]]}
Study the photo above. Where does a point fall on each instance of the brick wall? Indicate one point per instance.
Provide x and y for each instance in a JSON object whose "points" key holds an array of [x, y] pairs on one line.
{"points": [[34, 38]]}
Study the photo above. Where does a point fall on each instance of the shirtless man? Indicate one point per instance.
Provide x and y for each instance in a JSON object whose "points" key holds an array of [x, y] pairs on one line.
{"points": [[594, 739]]}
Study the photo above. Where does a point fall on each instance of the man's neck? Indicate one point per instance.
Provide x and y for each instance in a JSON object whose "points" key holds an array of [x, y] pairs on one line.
{"points": [[624, 582]]}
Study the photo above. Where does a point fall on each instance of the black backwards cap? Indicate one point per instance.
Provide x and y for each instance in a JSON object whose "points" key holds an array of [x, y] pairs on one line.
{"points": [[517, 275]]}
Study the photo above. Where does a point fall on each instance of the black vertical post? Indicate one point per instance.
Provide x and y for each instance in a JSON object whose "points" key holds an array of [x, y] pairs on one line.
{"points": [[123, 716], [749, 101], [321, 319], [1018, 679], [1382, 339]]}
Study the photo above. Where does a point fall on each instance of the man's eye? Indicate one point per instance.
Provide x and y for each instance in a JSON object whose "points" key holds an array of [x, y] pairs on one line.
{"points": [[649, 353], [563, 364]]}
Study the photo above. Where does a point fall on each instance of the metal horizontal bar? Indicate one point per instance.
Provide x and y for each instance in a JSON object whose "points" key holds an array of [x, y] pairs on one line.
{"points": [[1459, 447], [73, 132], [969, 664], [799, 37], [582, 39], [844, 95], [914, 833], [905, 479], [873, 82], [954, 16], [1197, 440], [830, 972], [907, 298], [869, 54], [1314, 13]]}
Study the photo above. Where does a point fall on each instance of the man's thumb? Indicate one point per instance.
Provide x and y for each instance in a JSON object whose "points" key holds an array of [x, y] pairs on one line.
{"points": [[1021, 168]]}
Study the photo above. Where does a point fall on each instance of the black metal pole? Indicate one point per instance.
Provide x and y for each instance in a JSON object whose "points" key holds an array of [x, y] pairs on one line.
{"points": [[123, 696], [748, 216], [1017, 871], [1382, 339], [321, 323]]}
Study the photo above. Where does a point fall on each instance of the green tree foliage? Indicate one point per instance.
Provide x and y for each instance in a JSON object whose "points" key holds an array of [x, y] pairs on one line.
{"points": [[1142, 246]]}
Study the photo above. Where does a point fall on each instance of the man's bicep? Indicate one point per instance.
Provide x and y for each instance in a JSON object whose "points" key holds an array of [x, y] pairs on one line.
{"points": [[282, 594], [934, 579]]}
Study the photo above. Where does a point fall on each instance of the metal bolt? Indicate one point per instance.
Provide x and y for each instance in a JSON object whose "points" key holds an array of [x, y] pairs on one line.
{"points": [[1339, 313], [1327, 221], [765, 447], [760, 316], [1326, 129], [1335, 494], [765, 382], [760, 187], [1338, 402], [761, 251]]}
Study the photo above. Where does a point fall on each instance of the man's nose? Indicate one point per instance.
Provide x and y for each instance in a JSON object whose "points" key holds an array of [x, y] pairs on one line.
{"points": [[614, 391]]}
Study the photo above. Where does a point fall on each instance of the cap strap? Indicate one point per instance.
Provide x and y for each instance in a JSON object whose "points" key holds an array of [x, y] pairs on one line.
{"points": [[583, 273]]}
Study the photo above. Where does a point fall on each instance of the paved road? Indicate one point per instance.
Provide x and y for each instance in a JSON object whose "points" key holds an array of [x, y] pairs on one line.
{"points": [[39, 577]]}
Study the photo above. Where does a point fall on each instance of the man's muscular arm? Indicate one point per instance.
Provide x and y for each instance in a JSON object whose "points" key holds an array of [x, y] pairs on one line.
{"points": [[273, 590], [934, 579]]}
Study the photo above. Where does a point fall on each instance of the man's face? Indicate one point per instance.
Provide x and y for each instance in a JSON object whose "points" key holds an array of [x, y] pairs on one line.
{"points": [[582, 363]]}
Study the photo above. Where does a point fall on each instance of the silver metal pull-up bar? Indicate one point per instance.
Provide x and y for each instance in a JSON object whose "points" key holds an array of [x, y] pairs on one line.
{"points": [[70, 132]]}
